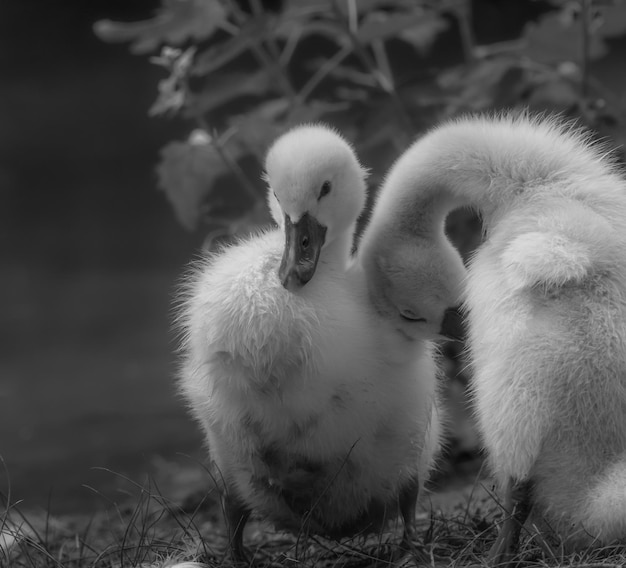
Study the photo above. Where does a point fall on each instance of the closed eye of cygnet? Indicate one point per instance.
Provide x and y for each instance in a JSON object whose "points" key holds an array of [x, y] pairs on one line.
{"points": [[409, 315]]}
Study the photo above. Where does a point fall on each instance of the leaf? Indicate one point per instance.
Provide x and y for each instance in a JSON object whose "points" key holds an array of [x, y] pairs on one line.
{"points": [[308, 6], [330, 29], [171, 98], [313, 112], [347, 73], [381, 25], [482, 74], [226, 87], [317, 7], [423, 34], [485, 84], [219, 55], [366, 6], [256, 129], [307, 18], [551, 41], [510, 86], [557, 95], [612, 20], [352, 94], [187, 173], [174, 23], [172, 90]]}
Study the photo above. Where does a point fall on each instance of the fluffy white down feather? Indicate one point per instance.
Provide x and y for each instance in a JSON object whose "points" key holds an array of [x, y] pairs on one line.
{"points": [[310, 392], [546, 300]]}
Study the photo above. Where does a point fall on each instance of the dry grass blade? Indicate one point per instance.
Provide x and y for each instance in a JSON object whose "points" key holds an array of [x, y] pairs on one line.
{"points": [[147, 530]]}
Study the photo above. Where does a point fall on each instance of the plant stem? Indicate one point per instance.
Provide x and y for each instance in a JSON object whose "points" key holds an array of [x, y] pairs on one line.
{"points": [[290, 47], [353, 16], [269, 58], [322, 72], [232, 164], [382, 61], [385, 84], [463, 12], [584, 63], [498, 48], [237, 171], [261, 16]]}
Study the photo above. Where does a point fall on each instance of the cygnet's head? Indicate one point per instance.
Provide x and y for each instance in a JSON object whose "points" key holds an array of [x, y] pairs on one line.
{"points": [[316, 193], [414, 282]]}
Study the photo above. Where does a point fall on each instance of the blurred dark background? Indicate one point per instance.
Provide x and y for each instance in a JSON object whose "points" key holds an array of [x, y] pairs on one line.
{"points": [[91, 252], [90, 256]]}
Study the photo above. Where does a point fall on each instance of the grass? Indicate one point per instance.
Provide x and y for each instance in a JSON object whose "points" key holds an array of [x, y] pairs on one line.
{"points": [[148, 530]]}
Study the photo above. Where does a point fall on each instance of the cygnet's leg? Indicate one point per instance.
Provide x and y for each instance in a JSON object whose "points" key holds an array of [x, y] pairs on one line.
{"points": [[407, 501], [236, 515], [517, 505]]}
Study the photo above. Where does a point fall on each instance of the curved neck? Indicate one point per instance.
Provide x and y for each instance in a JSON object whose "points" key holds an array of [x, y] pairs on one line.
{"points": [[338, 252], [488, 165]]}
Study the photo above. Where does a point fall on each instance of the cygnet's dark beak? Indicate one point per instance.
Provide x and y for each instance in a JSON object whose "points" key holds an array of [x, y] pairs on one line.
{"points": [[303, 243], [452, 324]]}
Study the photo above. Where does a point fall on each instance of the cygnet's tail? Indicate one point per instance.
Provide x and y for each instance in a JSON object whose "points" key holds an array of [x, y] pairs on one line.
{"points": [[604, 511]]}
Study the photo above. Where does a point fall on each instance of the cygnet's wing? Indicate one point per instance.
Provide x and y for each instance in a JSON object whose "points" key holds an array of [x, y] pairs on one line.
{"points": [[239, 317], [562, 245]]}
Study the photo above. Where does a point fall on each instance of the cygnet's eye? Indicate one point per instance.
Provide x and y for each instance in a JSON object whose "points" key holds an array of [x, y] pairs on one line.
{"points": [[410, 315], [305, 242], [326, 187]]}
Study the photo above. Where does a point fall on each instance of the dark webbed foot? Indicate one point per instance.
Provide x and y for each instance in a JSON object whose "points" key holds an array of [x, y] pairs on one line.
{"points": [[517, 505], [236, 516]]}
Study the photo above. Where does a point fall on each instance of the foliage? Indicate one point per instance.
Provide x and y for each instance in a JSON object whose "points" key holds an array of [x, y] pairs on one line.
{"points": [[242, 73]]}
